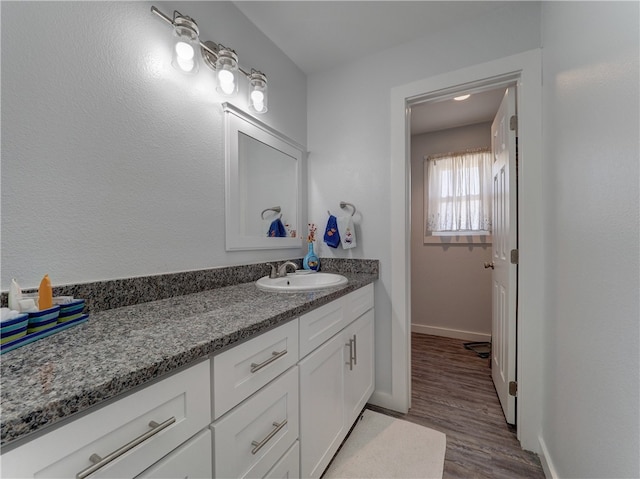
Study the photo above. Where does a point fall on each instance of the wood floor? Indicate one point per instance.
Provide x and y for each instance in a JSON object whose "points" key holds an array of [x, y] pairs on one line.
{"points": [[453, 393]]}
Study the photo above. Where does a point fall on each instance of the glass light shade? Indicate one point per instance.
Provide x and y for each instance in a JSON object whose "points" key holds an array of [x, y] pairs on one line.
{"points": [[186, 44], [258, 92], [227, 72]]}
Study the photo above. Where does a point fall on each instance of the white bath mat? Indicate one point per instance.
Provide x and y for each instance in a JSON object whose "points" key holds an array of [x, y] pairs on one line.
{"points": [[383, 447]]}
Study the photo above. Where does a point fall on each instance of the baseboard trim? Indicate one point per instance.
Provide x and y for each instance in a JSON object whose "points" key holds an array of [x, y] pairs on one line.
{"points": [[387, 401], [547, 465], [450, 333]]}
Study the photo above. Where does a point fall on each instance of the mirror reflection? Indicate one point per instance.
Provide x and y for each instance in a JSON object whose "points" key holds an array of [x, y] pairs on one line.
{"points": [[267, 182], [263, 201]]}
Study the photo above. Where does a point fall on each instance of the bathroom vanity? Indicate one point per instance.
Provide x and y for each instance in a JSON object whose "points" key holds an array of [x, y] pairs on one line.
{"points": [[232, 382]]}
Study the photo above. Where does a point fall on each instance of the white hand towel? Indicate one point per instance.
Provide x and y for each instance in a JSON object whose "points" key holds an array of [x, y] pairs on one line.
{"points": [[347, 232]]}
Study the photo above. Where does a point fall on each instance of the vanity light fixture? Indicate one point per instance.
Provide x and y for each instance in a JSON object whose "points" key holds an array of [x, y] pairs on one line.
{"points": [[257, 92], [186, 32], [227, 71], [223, 60]]}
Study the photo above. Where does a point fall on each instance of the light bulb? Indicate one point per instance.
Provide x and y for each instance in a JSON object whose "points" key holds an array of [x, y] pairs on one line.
{"points": [[257, 96], [184, 57], [184, 51], [226, 80]]}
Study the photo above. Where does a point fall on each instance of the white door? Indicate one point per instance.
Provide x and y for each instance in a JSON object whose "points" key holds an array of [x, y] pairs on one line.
{"points": [[503, 329]]}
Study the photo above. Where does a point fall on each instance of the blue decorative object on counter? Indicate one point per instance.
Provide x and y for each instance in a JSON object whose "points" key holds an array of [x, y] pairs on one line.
{"points": [[311, 261]]}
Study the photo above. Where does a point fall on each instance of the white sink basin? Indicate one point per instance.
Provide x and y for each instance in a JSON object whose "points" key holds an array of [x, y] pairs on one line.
{"points": [[301, 281]]}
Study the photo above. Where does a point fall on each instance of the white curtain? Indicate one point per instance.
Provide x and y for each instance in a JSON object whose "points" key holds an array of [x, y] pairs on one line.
{"points": [[458, 196]]}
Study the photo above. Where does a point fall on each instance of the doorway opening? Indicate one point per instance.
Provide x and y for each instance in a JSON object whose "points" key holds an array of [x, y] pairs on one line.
{"points": [[525, 69], [452, 280]]}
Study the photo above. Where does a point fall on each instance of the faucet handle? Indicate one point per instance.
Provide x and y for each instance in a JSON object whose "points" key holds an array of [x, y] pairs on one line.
{"points": [[274, 271]]}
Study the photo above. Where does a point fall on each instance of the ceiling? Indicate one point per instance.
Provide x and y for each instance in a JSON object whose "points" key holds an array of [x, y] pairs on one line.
{"points": [[323, 35], [441, 115]]}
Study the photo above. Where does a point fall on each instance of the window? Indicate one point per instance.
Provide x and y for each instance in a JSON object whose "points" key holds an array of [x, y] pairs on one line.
{"points": [[458, 193]]}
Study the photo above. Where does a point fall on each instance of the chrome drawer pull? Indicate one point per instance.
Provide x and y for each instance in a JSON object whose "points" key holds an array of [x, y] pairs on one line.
{"points": [[274, 355], [355, 352], [258, 445], [350, 363], [100, 462]]}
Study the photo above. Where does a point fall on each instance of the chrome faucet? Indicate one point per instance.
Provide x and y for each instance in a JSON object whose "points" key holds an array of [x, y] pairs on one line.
{"points": [[274, 271], [282, 269]]}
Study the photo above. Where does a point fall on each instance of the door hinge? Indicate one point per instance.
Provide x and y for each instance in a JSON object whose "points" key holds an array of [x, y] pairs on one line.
{"points": [[515, 256], [513, 388], [513, 123]]}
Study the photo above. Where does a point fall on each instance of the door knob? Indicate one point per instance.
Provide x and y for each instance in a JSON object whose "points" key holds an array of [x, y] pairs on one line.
{"points": [[488, 265]]}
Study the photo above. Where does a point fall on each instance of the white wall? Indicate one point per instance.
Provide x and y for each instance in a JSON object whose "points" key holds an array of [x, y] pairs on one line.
{"points": [[450, 289], [349, 136], [112, 161], [591, 126]]}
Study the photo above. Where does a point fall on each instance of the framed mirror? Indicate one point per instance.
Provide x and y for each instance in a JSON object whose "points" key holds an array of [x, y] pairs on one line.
{"points": [[263, 185]]}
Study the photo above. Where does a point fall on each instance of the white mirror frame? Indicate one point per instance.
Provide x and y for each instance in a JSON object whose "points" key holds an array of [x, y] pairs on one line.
{"points": [[236, 121]]}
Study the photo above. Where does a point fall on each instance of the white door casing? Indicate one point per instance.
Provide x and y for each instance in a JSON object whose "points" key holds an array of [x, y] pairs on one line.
{"points": [[526, 69], [503, 322]]}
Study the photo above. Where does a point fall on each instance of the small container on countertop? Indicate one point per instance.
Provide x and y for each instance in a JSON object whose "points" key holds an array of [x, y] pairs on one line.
{"points": [[14, 328], [43, 319], [71, 310]]}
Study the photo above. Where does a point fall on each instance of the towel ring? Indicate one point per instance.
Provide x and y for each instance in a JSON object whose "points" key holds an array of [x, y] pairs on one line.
{"points": [[344, 204], [275, 209]]}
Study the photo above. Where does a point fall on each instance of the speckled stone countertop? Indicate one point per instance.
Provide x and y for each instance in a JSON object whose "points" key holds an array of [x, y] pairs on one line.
{"points": [[120, 349]]}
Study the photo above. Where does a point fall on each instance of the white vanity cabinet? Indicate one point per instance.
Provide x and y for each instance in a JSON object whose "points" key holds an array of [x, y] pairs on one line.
{"points": [[336, 378], [128, 435], [276, 406], [255, 404], [191, 460]]}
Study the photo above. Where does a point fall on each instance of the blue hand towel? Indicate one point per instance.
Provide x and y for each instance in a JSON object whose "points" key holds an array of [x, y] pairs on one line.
{"points": [[276, 230], [331, 235]]}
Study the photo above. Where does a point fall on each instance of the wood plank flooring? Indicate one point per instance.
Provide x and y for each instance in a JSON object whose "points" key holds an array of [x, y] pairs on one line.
{"points": [[453, 393]]}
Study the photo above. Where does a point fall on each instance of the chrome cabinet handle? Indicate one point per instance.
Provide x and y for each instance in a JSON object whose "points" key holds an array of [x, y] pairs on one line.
{"points": [[274, 355], [355, 351], [258, 445], [100, 462], [350, 363]]}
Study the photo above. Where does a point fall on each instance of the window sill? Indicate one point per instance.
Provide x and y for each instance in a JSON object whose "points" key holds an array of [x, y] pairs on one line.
{"points": [[458, 239]]}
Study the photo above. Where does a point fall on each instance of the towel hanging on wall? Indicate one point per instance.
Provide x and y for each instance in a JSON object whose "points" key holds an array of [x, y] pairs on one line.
{"points": [[331, 235], [347, 232], [277, 229]]}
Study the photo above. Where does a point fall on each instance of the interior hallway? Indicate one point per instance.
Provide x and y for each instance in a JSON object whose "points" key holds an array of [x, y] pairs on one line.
{"points": [[452, 392]]}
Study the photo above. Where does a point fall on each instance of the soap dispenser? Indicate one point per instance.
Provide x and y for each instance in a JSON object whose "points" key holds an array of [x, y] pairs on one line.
{"points": [[15, 295], [45, 293]]}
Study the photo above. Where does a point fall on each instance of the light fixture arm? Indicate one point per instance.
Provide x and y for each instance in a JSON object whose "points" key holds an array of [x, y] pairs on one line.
{"points": [[208, 49]]}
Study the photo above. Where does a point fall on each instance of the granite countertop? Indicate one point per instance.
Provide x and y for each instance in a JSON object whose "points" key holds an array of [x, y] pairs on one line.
{"points": [[119, 349]]}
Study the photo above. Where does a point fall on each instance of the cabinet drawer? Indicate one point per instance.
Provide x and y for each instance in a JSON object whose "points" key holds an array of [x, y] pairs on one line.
{"points": [[243, 369], [319, 325], [249, 440], [288, 467], [182, 401], [359, 302], [192, 460]]}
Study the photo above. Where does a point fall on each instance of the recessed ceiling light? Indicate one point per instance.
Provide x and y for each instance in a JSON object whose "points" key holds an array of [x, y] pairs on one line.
{"points": [[462, 97]]}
